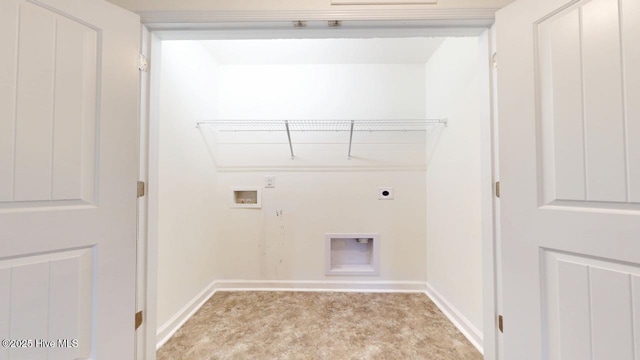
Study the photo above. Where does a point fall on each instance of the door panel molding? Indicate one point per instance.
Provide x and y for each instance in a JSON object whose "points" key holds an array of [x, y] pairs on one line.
{"points": [[53, 145], [60, 285], [589, 306], [585, 151]]}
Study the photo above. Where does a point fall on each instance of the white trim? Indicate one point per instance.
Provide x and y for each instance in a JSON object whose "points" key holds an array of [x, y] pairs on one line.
{"points": [[419, 168], [485, 16], [153, 136], [145, 335], [166, 331], [457, 318], [490, 206], [384, 2], [321, 286], [283, 30]]}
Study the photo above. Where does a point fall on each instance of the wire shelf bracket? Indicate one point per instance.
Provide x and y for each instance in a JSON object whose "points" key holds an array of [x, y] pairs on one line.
{"points": [[351, 126], [286, 124], [350, 139]]}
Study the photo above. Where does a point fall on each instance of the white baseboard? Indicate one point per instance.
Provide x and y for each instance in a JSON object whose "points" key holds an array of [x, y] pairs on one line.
{"points": [[320, 286], [166, 331], [460, 321]]}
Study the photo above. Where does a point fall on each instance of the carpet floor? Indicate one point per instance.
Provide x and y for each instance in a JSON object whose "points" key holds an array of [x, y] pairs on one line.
{"points": [[314, 325]]}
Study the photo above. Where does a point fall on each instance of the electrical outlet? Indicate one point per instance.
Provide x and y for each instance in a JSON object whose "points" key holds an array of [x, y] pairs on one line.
{"points": [[270, 181], [385, 193]]}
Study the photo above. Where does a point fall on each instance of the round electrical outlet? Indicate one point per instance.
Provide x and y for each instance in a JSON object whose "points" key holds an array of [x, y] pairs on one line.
{"points": [[385, 194]]}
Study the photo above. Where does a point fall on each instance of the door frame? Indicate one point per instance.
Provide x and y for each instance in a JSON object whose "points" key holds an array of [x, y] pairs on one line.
{"points": [[159, 26]]}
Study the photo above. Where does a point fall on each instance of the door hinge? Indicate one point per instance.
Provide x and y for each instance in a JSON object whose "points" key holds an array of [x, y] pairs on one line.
{"points": [[142, 63], [138, 319], [500, 323], [299, 24], [141, 189], [497, 189], [494, 60]]}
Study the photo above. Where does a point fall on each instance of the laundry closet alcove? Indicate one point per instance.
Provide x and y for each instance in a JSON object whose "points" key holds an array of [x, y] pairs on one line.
{"points": [[268, 146]]}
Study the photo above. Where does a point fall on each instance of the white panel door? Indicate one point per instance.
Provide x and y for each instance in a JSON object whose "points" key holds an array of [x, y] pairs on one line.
{"points": [[569, 110], [68, 168]]}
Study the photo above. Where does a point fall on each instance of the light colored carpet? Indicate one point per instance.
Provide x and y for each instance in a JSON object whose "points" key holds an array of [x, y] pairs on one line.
{"points": [[313, 325]]}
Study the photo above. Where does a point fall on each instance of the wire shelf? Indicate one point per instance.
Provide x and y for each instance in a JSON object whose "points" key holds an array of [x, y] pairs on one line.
{"points": [[351, 126], [325, 125]]}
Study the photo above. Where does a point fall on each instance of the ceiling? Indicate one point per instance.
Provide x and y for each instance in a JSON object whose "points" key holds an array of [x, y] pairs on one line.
{"points": [[323, 51]]}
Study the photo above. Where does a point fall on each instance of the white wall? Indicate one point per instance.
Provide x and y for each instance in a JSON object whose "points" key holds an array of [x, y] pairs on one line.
{"points": [[261, 245], [187, 183], [454, 248], [318, 91], [259, 5]]}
